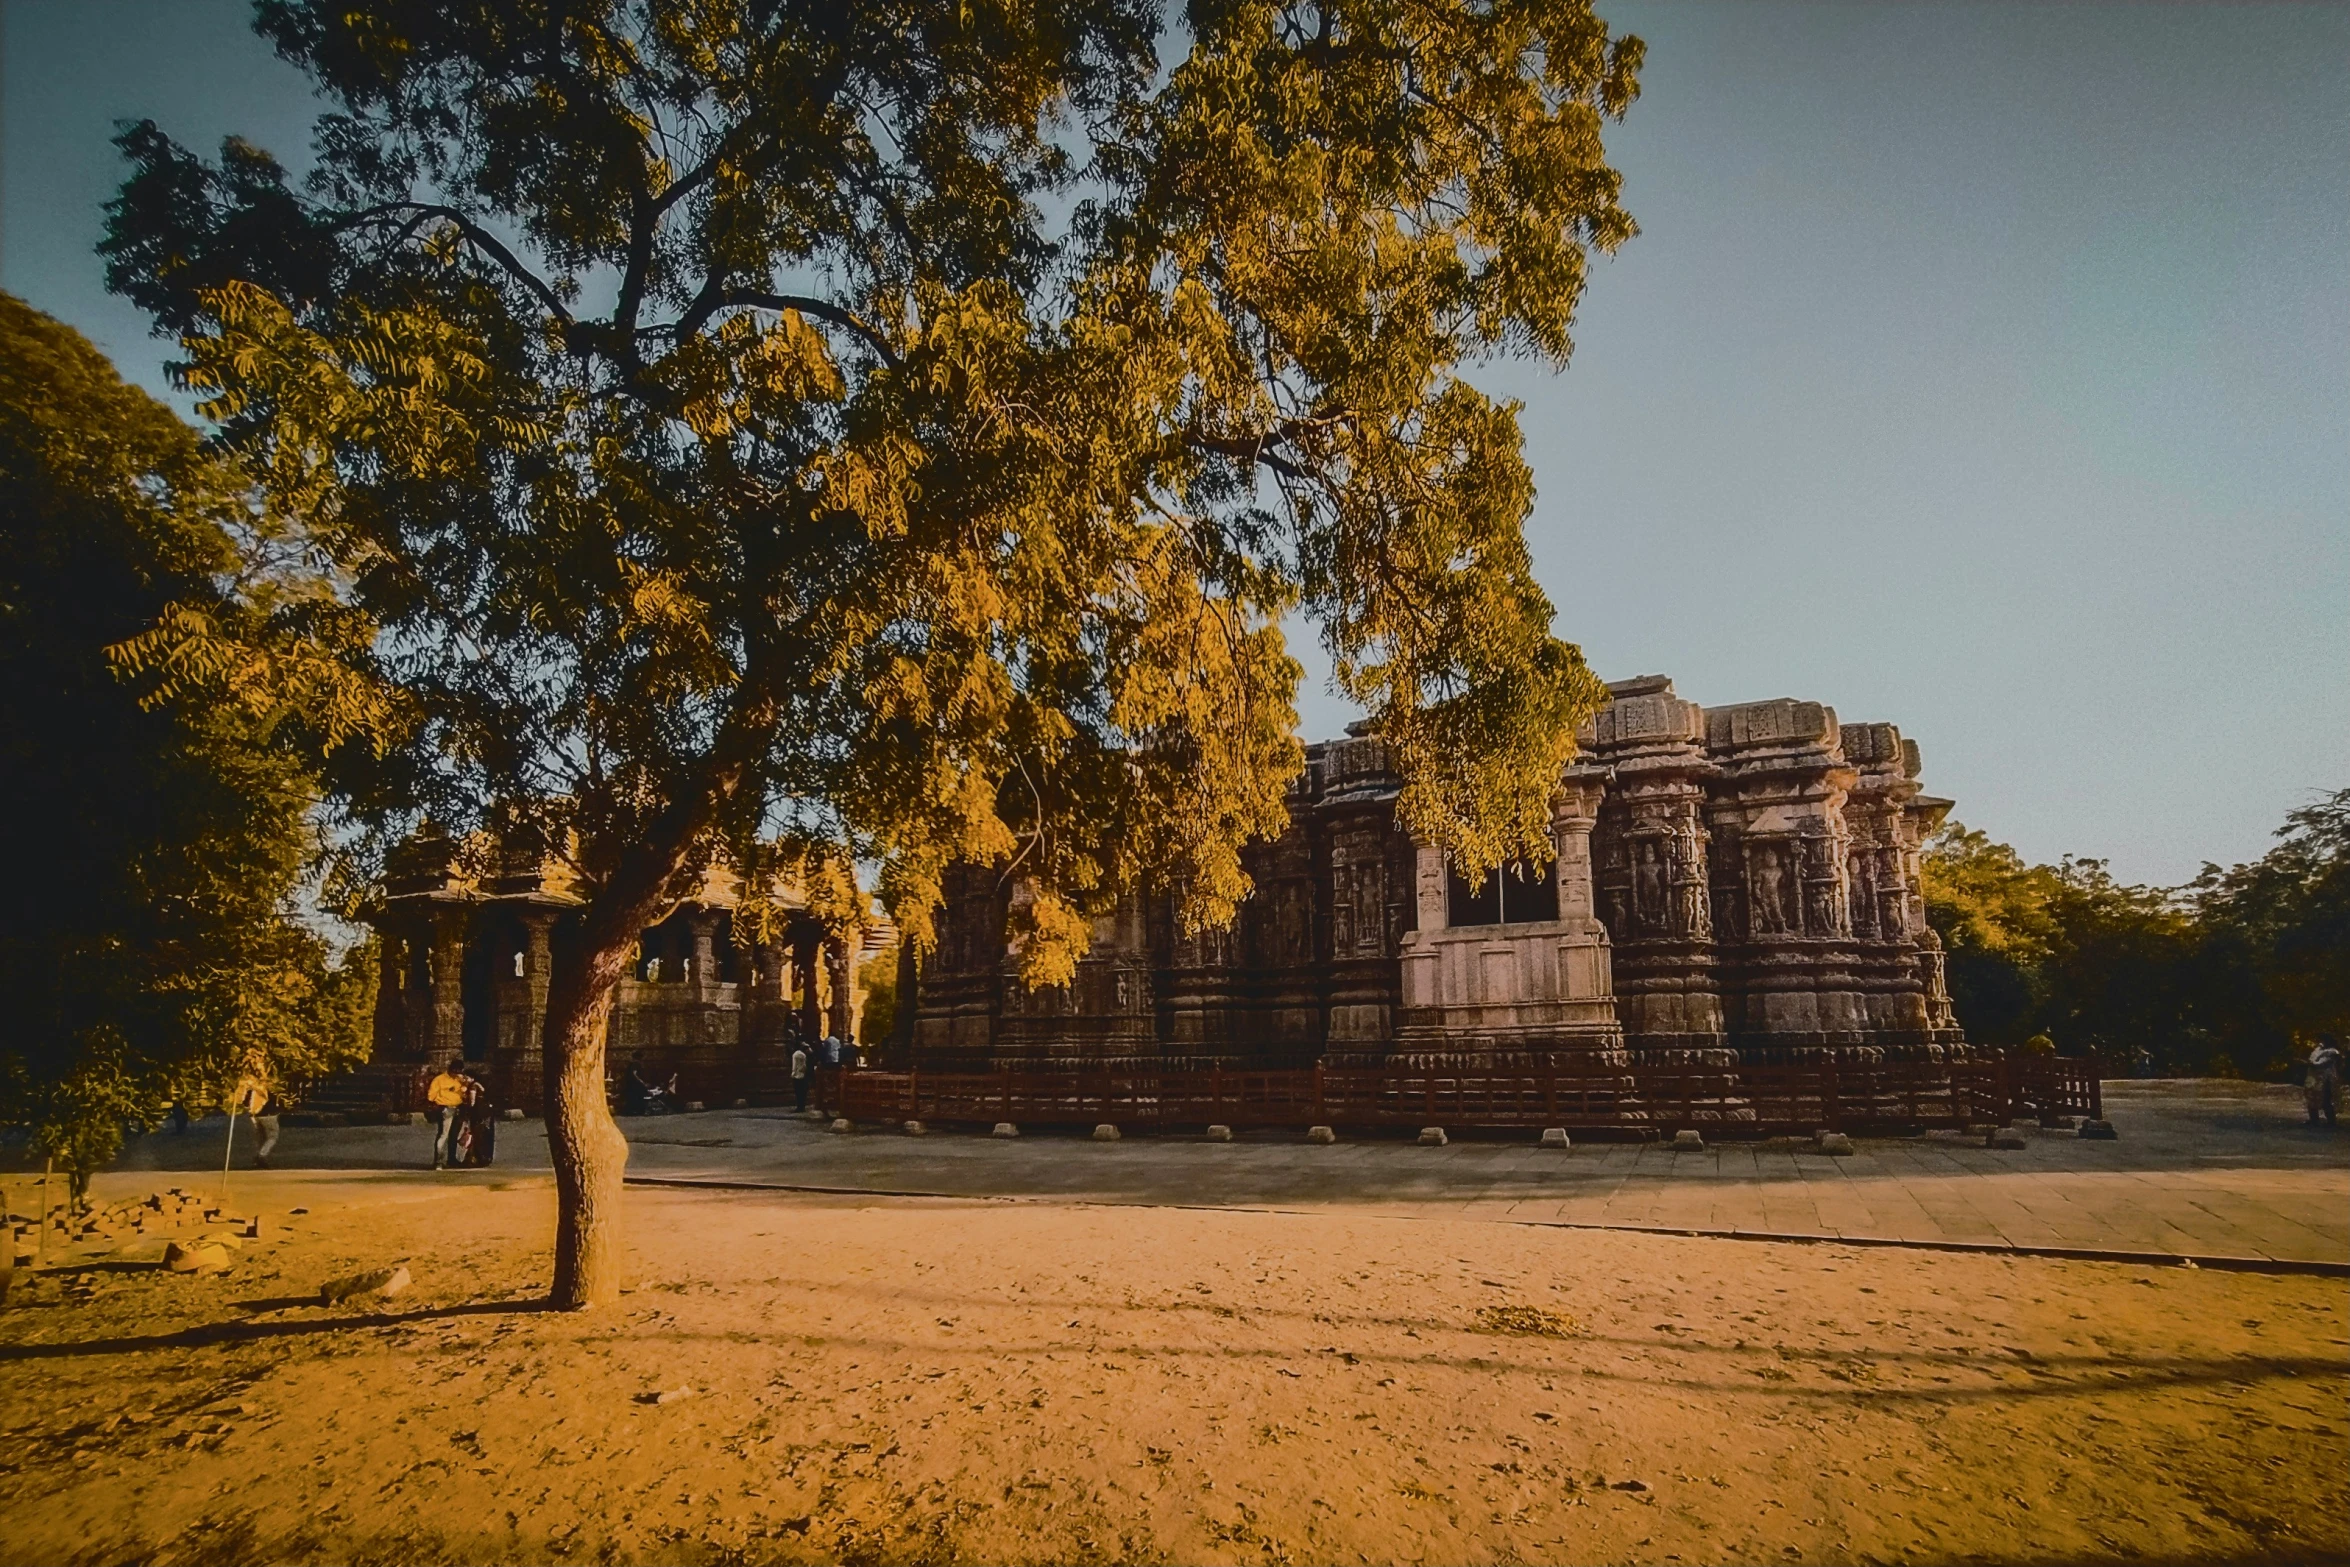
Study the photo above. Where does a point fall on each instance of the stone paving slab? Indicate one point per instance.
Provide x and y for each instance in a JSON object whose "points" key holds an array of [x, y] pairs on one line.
{"points": [[2200, 1167]]}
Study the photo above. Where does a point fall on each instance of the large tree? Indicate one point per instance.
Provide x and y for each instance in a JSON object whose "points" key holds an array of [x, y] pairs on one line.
{"points": [[898, 428], [149, 944]]}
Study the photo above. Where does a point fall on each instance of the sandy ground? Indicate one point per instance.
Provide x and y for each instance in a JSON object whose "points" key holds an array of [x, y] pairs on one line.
{"points": [[1044, 1381]]}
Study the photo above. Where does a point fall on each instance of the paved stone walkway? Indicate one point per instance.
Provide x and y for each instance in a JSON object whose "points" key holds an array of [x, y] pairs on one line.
{"points": [[2201, 1167]]}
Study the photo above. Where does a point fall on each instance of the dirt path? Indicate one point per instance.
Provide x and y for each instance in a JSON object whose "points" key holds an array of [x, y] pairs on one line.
{"points": [[1033, 1382]]}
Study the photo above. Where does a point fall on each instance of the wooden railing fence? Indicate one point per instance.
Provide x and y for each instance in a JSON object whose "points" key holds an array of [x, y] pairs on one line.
{"points": [[1753, 1100]]}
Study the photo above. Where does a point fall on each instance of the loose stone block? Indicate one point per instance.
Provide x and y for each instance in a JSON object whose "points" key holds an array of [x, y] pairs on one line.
{"points": [[742, 1104], [1432, 1137], [1219, 1134], [199, 1257], [693, 1105], [2004, 1140], [1554, 1137], [2098, 1131], [1321, 1134], [1980, 1129], [511, 1113], [386, 1282], [1835, 1144], [1688, 1140], [916, 1129], [1105, 1133], [1006, 1129], [843, 1124]]}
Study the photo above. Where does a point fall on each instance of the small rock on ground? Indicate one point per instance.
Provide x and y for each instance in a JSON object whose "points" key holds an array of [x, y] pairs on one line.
{"points": [[386, 1282]]}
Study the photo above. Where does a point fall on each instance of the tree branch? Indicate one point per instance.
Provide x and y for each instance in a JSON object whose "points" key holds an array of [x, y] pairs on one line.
{"points": [[711, 300], [481, 239]]}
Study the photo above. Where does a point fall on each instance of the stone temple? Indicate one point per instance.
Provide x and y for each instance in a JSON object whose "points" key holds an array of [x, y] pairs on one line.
{"points": [[1740, 881]]}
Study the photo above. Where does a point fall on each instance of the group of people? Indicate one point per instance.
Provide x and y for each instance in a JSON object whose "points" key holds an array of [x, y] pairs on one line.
{"points": [[466, 1123], [641, 1095], [829, 1052]]}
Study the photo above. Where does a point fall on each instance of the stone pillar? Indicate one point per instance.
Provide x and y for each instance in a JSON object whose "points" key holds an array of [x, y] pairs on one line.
{"points": [[448, 984], [1776, 808], [702, 925], [811, 1013], [1653, 867], [840, 971], [390, 1034], [538, 933]]}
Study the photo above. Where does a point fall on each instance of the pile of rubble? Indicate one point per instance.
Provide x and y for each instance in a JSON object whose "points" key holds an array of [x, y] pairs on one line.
{"points": [[96, 1223]]}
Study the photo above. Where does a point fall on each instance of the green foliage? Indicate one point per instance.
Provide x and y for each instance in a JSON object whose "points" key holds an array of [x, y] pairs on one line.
{"points": [[146, 952], [2277, 932], [879, 976], [2234, 974], [967, 393]]}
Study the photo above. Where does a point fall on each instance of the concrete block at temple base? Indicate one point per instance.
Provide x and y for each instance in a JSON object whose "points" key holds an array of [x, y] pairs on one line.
{"points": [[843, 1124], [742, 1104], [1006, 1129], [916, 1129], [2098, 1131], [1324, 1135], [692, 1105], [1105, 1133], [2059, 1123], [1980, 1129], [1219, 1134], [511, 1113], [1835, 1144], [1432, 1137], [1554, 1137], [1688, 1140], [2007, 1140]]}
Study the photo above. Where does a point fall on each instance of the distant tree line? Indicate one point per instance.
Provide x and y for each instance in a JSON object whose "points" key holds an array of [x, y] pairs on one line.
{"points": [[2234, 974]]}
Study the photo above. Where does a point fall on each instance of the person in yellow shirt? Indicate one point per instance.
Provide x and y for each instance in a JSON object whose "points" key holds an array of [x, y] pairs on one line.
{"points": [[446, 1094]]}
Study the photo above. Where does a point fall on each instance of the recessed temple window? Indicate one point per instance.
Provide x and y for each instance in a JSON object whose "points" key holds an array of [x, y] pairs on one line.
{"points": [[1518, 893]]}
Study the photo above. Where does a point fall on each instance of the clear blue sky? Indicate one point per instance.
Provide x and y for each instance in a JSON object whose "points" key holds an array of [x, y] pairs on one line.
{"points": [[1981, 368]]}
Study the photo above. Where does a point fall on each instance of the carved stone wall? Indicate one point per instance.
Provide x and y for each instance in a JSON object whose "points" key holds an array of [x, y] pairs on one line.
{"points": [[1733, 882]]}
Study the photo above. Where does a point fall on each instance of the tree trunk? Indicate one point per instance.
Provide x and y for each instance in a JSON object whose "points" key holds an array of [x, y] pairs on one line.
{"points": [[589, 1154]]}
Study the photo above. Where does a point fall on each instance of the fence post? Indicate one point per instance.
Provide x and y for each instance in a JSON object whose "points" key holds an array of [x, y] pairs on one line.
{"points": [[2006, 1089], [1831, 1112], [2096, 1088], [1317, 1093], [914, 1093]]}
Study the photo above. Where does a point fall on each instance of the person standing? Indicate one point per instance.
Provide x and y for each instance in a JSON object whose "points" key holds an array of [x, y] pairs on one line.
{"points": [[446, 1094], [481, 1123], [261, 1105], [799, 1078], [2324, 1080]]}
